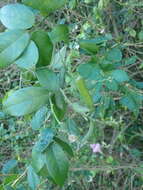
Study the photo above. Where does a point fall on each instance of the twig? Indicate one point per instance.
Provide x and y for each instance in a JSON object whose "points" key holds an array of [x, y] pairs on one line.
{"points": [[19, 178]]}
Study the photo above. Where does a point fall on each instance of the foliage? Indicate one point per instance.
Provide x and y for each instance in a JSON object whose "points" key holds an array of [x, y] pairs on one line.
{"points": [[79, 86]]}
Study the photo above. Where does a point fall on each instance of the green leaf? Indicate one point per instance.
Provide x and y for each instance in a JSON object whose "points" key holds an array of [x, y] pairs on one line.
{"points": [[57, 164], [72, 127], [140, 35], [8, 166], [12, 45], [79, 108], [65, 146], [89, 71], [47, 6], [59, 58], [17, 16], [48, 79], [112, 85], [120, 76], [25, 101], [45, 47], [58, 105], [129, 102], [91, 45], [38, 159], [33, 179], [39, 118], [132, 33], [44, 171], [29, 58], [11, 178], [114, 55], [46, 138], [132, 100], [84, 92], [60, 33]]}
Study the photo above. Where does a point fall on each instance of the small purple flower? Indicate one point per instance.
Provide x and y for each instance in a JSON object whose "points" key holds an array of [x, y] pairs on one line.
{"points": [[96, 148]]}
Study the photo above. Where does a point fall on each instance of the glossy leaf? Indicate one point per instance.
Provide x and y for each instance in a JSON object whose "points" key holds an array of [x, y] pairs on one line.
{"points": [[17, 16], [48, 79], [47, 6], [25, 101], [39, 118], [29, 57], [12, 45], [60, 33], [45, 47], [33, 179], [120, 76], [57, 164], [46, 138], [80, 83], [65, 146]]}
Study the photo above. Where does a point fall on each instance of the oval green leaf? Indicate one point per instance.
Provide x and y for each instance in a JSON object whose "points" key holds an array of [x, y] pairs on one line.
{"points": [[45, 47], [58, 105], [29, 57], [39, 118], [84, 92], [60, 33], [114, 55], [17, 16], [12, 45], [57, 164], [65, 146], [48, 79], [38, 160], [25, 101], [120, 76], [45, 140]]}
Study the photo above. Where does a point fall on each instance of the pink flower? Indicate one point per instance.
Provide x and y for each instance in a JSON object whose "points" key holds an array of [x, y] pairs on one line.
{"points": [[96, 148]]}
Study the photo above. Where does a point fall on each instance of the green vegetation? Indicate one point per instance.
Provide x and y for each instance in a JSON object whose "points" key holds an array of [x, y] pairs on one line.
{"points": [[71, 95]]}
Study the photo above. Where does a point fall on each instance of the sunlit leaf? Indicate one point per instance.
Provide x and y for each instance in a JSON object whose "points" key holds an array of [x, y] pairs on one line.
{"points": [[12, 45], [25, 101], [17, 16], [29, 57]]}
